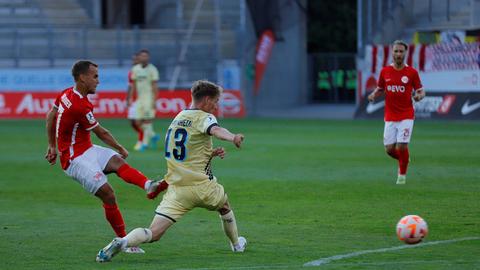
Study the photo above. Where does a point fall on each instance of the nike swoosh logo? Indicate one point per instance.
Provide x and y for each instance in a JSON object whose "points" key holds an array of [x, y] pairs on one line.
{"points": [[372, 107], [387, 80], [468, 108]]}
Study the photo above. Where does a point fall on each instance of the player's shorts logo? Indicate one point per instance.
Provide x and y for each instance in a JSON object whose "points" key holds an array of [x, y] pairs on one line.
{"points": [[98, 176], [406, 133], [405, 79]]}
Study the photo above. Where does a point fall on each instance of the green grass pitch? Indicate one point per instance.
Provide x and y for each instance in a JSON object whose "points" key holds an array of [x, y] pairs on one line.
{"points": [[302, 190]]}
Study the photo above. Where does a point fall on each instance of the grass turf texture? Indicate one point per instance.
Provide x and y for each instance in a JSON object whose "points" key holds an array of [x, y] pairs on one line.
{"points": [[301, 190]]}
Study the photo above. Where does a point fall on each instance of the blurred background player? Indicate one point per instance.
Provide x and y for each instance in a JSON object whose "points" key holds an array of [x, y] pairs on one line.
{"points": [[131, 105], [145, 78], [189, 153], [397, 82], [68, 124]]}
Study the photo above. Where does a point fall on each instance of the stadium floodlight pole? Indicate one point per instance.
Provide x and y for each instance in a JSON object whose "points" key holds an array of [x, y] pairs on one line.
{"points": [[183, 51]]}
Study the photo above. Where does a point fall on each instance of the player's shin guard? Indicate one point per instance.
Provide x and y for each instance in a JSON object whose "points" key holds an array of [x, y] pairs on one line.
{"points": [[403, 161], [230, 227], [114, 217], [132, 175], [138, 236]]}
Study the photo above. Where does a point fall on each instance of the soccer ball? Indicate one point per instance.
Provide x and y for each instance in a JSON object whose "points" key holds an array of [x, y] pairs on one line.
{"points": [[412, 229]]}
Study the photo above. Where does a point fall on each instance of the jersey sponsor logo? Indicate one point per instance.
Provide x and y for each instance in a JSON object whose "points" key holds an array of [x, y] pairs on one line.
{"points": [[373, 107], [90, 118], [396, 88], [404, 79], [468, 108]]}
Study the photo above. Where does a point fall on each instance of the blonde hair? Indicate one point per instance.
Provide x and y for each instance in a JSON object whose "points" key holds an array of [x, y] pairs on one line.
{"points": [[204, 88]]}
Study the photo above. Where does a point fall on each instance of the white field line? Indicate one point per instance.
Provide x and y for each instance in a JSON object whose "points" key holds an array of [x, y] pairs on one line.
{"points": [[381, 250]]}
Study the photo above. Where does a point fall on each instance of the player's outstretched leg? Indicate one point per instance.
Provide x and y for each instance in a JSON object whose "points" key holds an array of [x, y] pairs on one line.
{"points": [[133, 176], [229, 225]]}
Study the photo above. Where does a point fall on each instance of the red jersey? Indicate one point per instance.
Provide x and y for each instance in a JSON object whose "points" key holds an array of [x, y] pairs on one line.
{"points": [[131, 83], [73, 124], [398, 86]]}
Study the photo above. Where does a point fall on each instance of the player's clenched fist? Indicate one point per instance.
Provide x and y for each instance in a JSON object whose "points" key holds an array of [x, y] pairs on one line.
{"points": [[238, 139]]}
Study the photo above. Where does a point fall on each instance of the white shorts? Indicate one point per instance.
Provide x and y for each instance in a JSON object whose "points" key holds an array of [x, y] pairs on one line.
{"points": [[397, 132], [132, 111], [87, 169]]}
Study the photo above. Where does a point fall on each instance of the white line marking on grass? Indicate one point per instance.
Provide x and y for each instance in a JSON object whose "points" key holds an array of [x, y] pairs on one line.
{"points": [[380, 250]]}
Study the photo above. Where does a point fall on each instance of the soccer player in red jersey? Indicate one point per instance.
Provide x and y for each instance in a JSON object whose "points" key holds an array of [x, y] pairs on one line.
{"points": [[132, 106], [68, 124], [398, 82]]}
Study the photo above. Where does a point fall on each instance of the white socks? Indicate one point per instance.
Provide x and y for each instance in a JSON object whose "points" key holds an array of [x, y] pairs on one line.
{"points": [[147, 185], [138, 236], [230, 227]]}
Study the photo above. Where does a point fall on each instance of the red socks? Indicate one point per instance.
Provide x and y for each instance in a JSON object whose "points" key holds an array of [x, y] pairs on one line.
{"points": [[114, 217], [403, 157], [132, 175], [139, 130]]}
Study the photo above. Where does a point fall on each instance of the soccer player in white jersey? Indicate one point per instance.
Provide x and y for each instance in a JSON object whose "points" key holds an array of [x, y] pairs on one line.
{"points": [[145, 78], [189, 153]]}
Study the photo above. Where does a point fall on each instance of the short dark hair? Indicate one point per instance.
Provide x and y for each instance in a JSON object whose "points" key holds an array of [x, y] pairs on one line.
{"points": [[400, 42], [143, 51], [81, 67], [204, 88]]}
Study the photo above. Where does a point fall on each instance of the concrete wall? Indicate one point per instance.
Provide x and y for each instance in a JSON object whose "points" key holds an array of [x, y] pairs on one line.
{"points": [[284, 84]]}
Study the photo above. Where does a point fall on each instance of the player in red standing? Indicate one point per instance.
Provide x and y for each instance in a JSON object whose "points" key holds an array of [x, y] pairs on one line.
{"points": [[69, 124], [398, 82]]}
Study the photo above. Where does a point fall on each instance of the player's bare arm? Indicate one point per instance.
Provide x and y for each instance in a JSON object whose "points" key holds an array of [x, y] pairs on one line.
{"points": [[375, 94], [419, 94], [154, 91], [131, 87], [223, 134], [51, 155], [107, 137]]}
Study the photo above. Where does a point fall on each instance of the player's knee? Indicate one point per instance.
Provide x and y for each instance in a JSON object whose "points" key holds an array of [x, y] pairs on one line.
{"points": [[109, 198], [114, 164], [225, 209], [390, 150], [402, 146]]}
